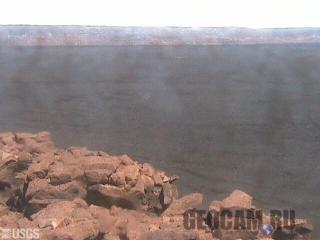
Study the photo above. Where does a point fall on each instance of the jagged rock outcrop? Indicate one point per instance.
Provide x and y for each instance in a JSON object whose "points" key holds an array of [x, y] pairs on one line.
{"points": [[80, 194]]}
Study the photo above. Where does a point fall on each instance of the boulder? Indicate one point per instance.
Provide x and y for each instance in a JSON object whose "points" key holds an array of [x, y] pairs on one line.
{"points": [[40, 193], [238, 199], [181, 205], [96, 176], [59, 213], [157, 179], [60, 173], [83, 230], [118, 178], [3, 210], [66, 220], [35, 143], [147, 169], [10, 220], [131, 172], [167, 194], [107, 196]]}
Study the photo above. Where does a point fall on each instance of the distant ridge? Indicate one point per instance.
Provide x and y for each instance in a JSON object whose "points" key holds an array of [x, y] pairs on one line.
{"points": [[20, 35]]}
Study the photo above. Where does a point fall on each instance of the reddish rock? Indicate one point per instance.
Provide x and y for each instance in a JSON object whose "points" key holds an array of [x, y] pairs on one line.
{"points": [[35, 143], [59, 213], [81, 152], [125, 200], [60, 173], [116, 196], [83, 230], [157, 179], [238, 199], [179, 206], [147, 169], [6, 157], [8, 138], [131, 172], [3, 209], [10, 220], [39, 169], [167, 194], [40, 193], [145, 181], [118, 178], [96, 176], [110, 164], [104, 217], [215, 206], [66, 220], [126, 160]]}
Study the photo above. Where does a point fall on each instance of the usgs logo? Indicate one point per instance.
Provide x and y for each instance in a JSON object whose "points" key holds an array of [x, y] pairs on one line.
{"points": [[19, 233]]}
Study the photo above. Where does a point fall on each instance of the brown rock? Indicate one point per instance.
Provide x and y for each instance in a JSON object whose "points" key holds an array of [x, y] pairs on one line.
{"points": [[170, 179], [131, 224], [3, 209], [157, 179], [96, 176], [26, 223], [152, 198], [126, 160], [103, 216], [81, 152], [7, 138], [131, 172], [40, 193], [147, 169], [146, 181], [56, 213], [166, 196], [38, 169], [238, 199], [60, 173], [181, 205], [115, 196], [139, 187], [66, 220], [109, 164], [7, 157], [10, 220], [83, 230], [118, 178], [215, 206], [35, 143]]}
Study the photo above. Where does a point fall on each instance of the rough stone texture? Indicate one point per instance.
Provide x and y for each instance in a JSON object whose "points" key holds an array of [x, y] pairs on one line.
{"points": [[80, 194], [237, 199], [179, 206]]}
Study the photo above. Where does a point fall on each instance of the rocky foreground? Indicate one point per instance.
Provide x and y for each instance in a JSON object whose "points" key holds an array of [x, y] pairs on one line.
{"points": [[80, 194]]}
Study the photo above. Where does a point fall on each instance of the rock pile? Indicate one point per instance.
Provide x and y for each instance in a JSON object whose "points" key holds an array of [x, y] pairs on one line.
{"points": [[80, 194]]}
